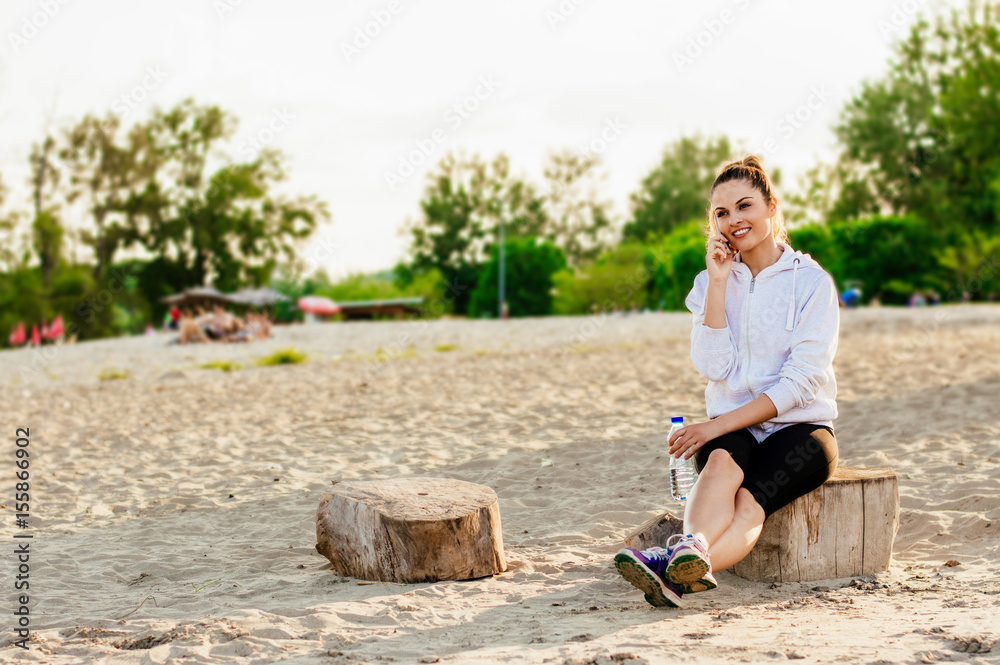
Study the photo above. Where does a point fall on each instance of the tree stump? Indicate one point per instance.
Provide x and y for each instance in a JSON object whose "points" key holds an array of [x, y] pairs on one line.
{"points": [[655, 532], [411, 530], [843, 528]]}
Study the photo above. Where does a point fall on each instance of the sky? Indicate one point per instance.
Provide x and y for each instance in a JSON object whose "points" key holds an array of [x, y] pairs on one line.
{"points": [[364, 98]]}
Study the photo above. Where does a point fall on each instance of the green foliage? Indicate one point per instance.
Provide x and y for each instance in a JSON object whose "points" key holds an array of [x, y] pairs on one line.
{"points": [[617, 280], [222, 365], [164, 188], [889, 255], [360, 286], [675, 260], [282, 357], [530, 265], [677, 189], [578, 220], [922, 140], [463, 205], [112, 374], [972, 265]]}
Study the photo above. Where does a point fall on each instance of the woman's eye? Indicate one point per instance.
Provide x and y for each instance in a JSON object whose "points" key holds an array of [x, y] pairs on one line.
{"points": [[719, 215], [744, 205]]}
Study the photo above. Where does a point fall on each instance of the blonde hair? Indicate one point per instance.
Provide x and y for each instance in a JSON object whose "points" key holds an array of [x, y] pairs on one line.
{"points": [[751, 170]]}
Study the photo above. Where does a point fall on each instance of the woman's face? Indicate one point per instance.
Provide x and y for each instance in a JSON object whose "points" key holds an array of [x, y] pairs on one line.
{"points": [[741, 215]]}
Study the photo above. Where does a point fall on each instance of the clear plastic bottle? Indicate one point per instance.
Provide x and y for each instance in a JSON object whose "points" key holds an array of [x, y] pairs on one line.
{"points": [[682, 473]]}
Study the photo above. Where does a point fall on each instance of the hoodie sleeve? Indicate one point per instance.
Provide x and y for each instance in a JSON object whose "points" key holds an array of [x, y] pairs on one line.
{"points": [[813, 346], [712, 349]]}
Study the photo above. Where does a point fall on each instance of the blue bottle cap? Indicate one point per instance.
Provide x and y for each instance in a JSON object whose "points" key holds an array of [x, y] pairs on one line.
{"points": [[677, 419]]}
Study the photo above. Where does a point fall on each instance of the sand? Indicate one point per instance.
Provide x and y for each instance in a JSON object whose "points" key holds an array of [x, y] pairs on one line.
{"points": [[173, 511]]}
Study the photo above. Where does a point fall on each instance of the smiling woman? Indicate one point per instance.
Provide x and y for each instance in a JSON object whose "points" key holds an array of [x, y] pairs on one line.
{"points": [[771, 389]]}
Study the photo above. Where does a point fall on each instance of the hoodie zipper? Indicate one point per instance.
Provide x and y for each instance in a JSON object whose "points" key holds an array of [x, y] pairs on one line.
{"points": [[746, 335]]}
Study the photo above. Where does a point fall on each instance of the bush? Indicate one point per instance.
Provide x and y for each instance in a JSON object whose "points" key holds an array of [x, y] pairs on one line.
{"points": [[282, 357], [221, 365], [618, 279], [675, 260], [528, 279]]}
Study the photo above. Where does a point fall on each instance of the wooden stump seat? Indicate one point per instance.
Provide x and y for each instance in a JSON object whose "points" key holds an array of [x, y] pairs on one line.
{"points": [[843, 528], [411, 530]]}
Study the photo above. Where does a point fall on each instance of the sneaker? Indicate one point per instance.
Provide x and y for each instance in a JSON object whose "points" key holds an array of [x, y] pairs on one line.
{"points": [[689, 566], [645, 571]]}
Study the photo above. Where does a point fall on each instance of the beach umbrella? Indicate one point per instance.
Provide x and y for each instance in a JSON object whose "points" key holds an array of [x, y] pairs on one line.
{"points": [[36, 340], [45, 330], [21, 337], [318, 305], [13, 337]]}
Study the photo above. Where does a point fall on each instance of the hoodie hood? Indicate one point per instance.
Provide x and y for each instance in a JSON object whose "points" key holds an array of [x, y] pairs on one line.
{"points": [[790, 259]]}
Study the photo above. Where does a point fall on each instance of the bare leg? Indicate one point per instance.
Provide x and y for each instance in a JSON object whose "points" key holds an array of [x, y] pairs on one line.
{"points": [[712, 505], [737, 541]]}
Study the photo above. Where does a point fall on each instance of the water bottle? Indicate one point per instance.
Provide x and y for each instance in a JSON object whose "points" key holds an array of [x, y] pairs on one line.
{"points": [[681, 470]]}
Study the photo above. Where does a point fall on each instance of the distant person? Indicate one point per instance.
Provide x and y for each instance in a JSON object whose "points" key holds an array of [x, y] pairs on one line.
{"points": [[175, 317], [771, 395], [851, 297]]}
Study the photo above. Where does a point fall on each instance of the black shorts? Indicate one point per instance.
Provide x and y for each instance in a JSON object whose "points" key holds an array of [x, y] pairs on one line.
{"points": [[791, 462]]}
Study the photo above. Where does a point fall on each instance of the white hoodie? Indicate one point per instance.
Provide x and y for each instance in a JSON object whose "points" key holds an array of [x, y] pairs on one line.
{"points": [[780, 338]]}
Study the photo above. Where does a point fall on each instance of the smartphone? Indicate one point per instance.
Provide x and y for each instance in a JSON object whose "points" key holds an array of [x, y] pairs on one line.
{"points": [[732, 251]]}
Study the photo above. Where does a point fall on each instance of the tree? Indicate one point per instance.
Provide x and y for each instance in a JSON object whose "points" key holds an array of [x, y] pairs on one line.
{"points": [[463, 205], [169, 187], [677, 190], [47, 230], [102, 177], [922, 139], [223, 226], [530, 265], [10, 257], [578, 222]]}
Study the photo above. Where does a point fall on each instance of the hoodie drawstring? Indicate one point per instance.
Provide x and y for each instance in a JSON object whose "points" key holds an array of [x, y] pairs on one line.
{"points": [[790, 321]]}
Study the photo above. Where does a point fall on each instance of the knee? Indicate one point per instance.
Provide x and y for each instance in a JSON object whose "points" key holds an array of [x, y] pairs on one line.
{"points": [[721, 463]]}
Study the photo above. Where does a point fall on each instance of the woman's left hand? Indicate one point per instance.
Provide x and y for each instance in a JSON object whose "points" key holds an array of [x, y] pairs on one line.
{"points": [[687, 440]]}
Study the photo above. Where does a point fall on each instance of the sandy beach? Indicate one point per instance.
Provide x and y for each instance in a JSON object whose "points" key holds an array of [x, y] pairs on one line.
{"points": [[173, 510]]}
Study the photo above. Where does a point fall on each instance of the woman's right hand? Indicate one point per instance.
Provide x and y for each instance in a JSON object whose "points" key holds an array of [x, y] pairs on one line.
{"points": [[718, 259]]}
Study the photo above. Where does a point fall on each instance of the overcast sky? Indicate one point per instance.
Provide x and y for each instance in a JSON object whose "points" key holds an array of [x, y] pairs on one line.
{"points": [[527, 76]]}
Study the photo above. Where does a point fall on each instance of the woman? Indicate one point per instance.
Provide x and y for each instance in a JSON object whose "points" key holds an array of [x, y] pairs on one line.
{"points": [[766, 324]]}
